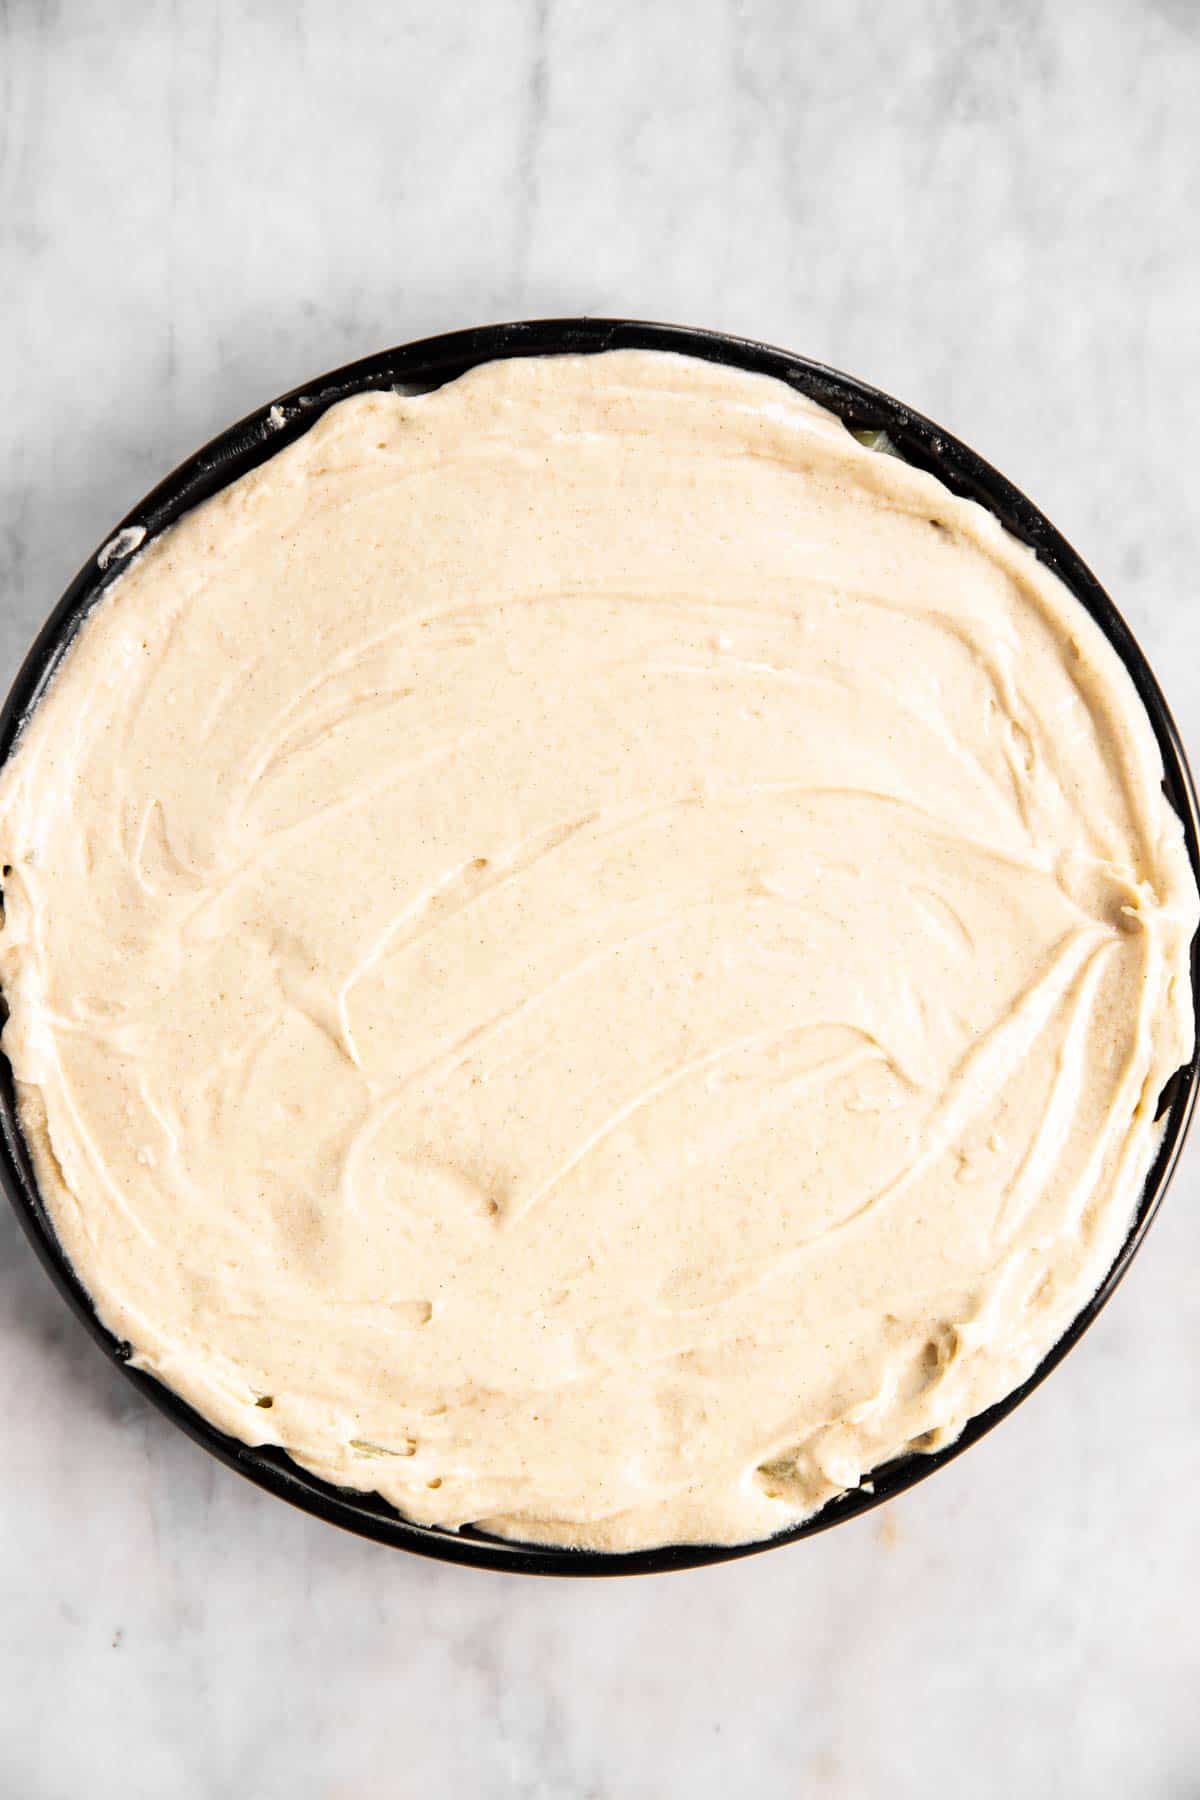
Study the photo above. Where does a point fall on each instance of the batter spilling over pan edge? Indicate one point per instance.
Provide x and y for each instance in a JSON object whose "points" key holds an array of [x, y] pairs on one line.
{"points": [[590, 954]]}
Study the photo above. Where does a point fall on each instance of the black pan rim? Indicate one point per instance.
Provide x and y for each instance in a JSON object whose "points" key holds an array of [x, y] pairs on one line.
{"points": [[420, 366]]}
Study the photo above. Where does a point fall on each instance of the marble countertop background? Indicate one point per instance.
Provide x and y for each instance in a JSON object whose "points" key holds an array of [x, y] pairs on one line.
{"points": [[993, 211]]}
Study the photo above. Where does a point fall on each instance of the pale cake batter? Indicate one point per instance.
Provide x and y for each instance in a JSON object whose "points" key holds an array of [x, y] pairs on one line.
{"points": [[590, 954]]}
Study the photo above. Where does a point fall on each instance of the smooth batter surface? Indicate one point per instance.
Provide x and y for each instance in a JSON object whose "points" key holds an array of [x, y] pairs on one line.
{"points": [[590, 954]]}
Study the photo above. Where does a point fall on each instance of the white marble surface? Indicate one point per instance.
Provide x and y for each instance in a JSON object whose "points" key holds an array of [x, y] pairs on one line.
{"points": [[992, 211]]}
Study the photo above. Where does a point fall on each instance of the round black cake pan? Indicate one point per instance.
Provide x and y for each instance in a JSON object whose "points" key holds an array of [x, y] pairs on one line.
{"points": [[420, 367]]}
